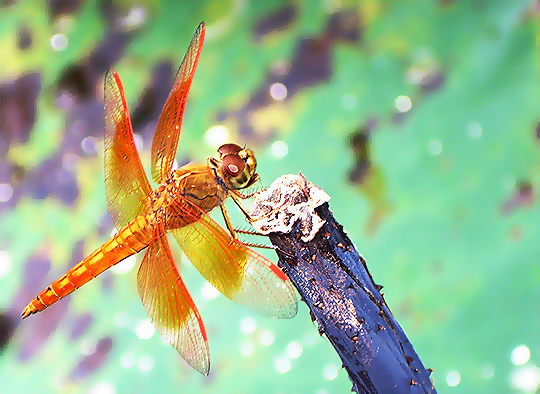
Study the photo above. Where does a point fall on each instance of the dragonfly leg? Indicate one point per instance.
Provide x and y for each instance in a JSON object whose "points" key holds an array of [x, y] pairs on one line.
{"points": [[249, 232], [227, 219], [272, 247], [246, 196], [261, 246], [242, 208]]}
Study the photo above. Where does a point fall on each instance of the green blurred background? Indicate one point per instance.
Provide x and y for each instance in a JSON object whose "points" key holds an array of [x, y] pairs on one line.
{"points": [[419, 118]]}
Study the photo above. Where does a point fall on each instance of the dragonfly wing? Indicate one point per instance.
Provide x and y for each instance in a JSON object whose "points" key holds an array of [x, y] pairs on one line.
{"points": [[238, 272], [170, 121], [126, 185], [170, 307]]}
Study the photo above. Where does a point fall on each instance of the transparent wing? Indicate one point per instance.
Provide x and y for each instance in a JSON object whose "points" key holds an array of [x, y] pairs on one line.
{"points": [[170, 307], [126, 185], [238, 272], [170, 121]]}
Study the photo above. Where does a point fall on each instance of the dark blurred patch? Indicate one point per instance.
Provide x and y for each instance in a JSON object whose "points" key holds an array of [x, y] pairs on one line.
{"points": [[81, 325], [107, 281], [399, 117], [34, 275], [93, 361], [17, 174], [359, 142], [109, 51], [446, 2], [312, 62], [81, 80], [41, 327], [24, 38], [51, 180], [105, 224], [44, 324], [523, 196], [18, 109], [276, 21], [538, 131], [344, 26], [63, 7], [77, 254], [311, 65], [77, 96], [6, 3], [432, 82], [153, 98], [8, 322], [78, 81]]}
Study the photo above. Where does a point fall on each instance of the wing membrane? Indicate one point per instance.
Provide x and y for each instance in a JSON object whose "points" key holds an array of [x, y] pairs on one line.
{"points": [[170, 121], [170, 307], [126, 184], [238, 272]]}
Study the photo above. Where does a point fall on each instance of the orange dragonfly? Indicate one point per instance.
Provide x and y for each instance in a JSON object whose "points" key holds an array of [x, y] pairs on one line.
{"points": [[180, 205]]}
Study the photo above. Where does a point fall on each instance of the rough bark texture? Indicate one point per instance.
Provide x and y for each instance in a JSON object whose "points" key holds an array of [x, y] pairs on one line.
{"points": [[333, 280]]}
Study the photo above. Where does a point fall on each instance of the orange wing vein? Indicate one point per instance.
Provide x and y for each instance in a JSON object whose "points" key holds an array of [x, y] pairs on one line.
{"points": [[170, 121], [126, 185], [169, 305], [238, 272]]}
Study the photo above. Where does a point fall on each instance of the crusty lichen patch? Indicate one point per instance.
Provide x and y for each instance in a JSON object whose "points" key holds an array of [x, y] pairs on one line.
{"points": [[289, 199]]}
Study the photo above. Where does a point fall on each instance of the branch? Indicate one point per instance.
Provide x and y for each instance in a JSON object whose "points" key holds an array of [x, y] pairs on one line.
{"points": [[333, 280]]}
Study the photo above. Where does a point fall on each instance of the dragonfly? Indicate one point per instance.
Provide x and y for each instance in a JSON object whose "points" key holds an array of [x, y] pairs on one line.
{"points": [[179, 205]]}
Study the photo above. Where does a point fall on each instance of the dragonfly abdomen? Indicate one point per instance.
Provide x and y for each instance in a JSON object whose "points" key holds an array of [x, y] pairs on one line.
{"points": [[128, 241]]}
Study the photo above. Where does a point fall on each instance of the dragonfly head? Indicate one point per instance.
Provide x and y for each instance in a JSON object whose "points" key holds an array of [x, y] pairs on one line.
{"points": [[236, 165]]}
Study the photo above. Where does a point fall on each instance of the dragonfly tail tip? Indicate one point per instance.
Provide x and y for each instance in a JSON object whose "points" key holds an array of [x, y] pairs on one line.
{"points": [[27, 312]]}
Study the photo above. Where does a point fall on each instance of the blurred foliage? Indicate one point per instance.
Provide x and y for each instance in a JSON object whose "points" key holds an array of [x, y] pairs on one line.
{"points": [[441, 199]]}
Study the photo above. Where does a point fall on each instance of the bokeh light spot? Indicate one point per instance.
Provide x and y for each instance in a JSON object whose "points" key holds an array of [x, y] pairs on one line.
{"points": [[294, 350], [487, 371], [282, 365], [474, 130], [520, 355], [278, 91], [435, 147], [266, 338], [209, 292], [453, 378], [6, 192], [59, 42], [403, 103], [279, 149], [216, 136], [247, 348], [330, 371], [88, 145], [145, 329], [125, 265], [102, 388], [248, 325], [526, 378]]}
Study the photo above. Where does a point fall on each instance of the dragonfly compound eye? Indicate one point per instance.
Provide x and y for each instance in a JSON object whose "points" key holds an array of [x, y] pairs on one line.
{"points": [[233, 165], [229, 149]]}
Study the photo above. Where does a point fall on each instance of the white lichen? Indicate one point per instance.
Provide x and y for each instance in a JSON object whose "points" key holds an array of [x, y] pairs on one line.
{"points": [[290, 198]]}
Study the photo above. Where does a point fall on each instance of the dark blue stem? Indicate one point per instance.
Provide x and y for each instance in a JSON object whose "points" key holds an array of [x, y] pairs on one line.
{"points": [[333, 279]]}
